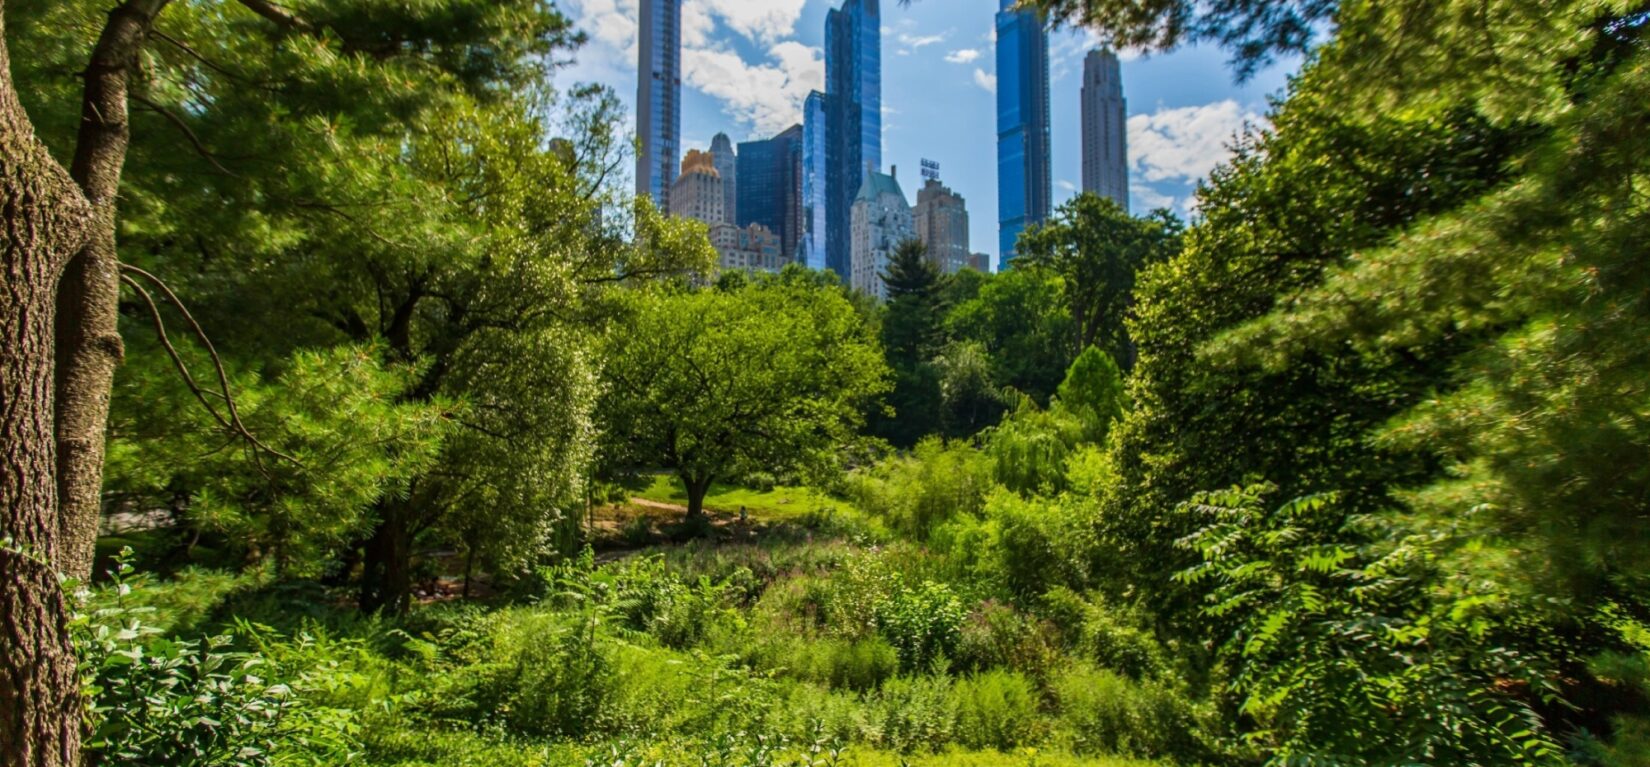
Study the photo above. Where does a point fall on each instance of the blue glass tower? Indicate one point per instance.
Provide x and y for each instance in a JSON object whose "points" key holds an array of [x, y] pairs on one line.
{"points": [[659, 99], [770, 186], [853, 117], [1024, 180], [811, 249]]}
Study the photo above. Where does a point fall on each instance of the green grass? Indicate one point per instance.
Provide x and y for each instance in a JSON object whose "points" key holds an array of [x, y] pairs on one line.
{"points": [[781, 504]]}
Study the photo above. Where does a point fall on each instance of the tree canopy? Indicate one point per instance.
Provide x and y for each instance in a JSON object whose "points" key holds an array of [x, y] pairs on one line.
{"points": [[772, 376]]}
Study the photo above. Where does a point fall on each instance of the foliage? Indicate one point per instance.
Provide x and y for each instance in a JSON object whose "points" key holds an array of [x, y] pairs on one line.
{"points": [[1345, 645], [1103, 712], [159, 700], [1097, 249], [683, 391], [334, 412], [923, 623], [911, 327], [996, 709], [1019, 318], [1256, 32], [917, 492]]}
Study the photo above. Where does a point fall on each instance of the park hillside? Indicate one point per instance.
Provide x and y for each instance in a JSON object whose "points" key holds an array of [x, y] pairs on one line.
{"points": [[352, 413]]}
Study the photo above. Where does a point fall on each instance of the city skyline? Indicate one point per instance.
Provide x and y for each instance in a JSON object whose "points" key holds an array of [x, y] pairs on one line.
{"points": [[936, 55]]}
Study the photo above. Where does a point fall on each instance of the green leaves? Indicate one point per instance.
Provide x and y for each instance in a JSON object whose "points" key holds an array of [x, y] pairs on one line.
{"points": [[769, 377]]}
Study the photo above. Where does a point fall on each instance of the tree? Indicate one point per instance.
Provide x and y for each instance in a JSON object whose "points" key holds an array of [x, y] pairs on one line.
{"points": [[1097, 249], [911, 337], [1255, 31], [1018, 317], [713, 384]]}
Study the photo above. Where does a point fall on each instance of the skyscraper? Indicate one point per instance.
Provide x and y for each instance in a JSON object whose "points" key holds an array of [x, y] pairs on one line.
{"points": [[659, 98], [1024, 180], [698, 192], [853, 117], [941, 218], [811, 250], [721, 151], [880, 222], [770, 188], [1105, 137]]}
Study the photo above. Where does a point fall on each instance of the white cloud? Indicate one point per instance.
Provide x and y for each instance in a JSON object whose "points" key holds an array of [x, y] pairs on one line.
{"points": [[766, 96], [1146, 198], [763, 21], [962, 56], [1185, 143], [986, 81], [1066, 185], [919, 41]]}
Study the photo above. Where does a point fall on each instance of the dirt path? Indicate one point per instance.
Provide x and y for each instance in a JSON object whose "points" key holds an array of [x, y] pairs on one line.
{"points": [[643, 502]]}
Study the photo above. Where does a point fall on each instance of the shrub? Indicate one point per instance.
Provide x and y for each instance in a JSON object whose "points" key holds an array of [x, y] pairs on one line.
{"points": [[161, 701], [923, 624], [910, 714], [995, 635], [995, 709], [1103, 712], [938, 481]]}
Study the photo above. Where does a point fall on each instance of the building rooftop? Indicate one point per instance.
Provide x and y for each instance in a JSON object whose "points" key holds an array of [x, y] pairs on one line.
{"points": [[877, 184]]}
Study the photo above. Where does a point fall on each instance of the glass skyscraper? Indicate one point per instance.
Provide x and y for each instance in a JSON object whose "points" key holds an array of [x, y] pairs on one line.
{"points": [[659, 98], [1024, 180], [853, 117], [770, 186], [811, 250]]}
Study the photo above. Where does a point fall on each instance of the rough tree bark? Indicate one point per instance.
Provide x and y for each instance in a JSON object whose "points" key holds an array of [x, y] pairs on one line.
{"points": [[44, 220], [88, 299]]}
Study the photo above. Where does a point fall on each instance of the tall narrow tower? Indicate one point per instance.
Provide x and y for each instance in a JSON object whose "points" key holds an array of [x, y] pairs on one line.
{"points": [[659, 99], [853, 117], [1024, 180], [727, 165], [1105, 132]]}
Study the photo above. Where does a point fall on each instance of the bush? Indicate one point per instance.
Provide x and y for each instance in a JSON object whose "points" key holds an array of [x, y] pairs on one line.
{"points": [[995, 709], [910, 714], [995, 635], [161, 701], [1103, 712], [938, 481], [923, 624]]}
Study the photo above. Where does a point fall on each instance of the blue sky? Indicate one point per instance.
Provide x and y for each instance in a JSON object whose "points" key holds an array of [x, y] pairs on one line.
{"points": [[748, 64]]}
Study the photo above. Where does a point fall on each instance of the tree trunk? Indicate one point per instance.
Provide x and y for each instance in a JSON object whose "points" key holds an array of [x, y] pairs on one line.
{"points": [[43, 221], [696, 490], [88, 298], [386, 570]]}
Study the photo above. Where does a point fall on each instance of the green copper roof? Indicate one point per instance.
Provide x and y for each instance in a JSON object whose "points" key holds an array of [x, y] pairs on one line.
{"points": [[878, 184]]}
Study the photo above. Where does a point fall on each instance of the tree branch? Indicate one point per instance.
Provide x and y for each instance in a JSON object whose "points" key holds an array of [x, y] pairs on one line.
{"points": [[282, 17], [184, 127], [233, 422]]}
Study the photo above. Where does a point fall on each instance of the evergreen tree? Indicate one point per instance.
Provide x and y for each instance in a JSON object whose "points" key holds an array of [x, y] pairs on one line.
{"points": [[911, 337]]}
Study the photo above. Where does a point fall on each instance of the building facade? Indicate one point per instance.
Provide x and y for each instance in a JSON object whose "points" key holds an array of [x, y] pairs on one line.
{"points": [[752, 248], [658, 98], [727, 166], [853, 118], [1105, 128], [880, 221], [980, 262], [811, 250], [1024, 180], [698, 192], [941, 220], [771, 186]]}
